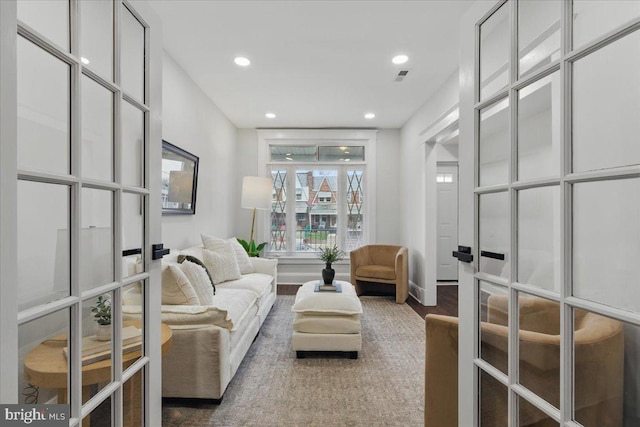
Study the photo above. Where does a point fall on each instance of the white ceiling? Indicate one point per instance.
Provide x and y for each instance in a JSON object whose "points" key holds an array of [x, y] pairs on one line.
{"points": [[314, 63]]}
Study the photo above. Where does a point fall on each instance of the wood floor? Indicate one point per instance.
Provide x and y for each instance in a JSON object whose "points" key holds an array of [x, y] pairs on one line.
{"points": [[447, 300]]}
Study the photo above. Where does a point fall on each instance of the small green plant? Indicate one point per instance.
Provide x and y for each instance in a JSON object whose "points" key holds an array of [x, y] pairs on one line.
{"points": [[331, 254], [102, 311], [251, 248]]}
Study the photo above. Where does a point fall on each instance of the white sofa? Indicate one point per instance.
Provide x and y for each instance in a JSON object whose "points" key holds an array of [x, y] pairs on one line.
{"points": [[210, 342]]}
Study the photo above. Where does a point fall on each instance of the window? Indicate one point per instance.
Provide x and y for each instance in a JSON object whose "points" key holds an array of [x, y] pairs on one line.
{"points": [[331, 181]]}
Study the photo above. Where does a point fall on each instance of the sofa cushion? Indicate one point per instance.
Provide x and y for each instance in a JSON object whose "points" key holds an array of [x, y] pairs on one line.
{"points": [[176, 288], [191, 258], [217, 244], [258, 283], [221, 264], [376, 272], [199, 280]]}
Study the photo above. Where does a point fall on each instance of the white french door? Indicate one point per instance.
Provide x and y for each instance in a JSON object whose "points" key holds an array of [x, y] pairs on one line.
{"points": [[550, 203], [79, 205]]}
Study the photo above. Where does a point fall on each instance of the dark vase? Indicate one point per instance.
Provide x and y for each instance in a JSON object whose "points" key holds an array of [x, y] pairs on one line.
{"points": [[328, 274]]}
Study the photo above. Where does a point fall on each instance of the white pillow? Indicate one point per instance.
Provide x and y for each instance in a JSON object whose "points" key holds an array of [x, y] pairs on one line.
{"points": [[199, 279], [176, 288], [244, 263], [222, 264]]}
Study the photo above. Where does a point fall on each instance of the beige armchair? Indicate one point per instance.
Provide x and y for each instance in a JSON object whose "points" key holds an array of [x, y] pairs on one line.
{"points": [[385, 264], [599, 364]]}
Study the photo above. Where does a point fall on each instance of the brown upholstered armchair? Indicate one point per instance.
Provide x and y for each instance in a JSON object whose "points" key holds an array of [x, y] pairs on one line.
{"points": [[599, 364], [385, 264]]}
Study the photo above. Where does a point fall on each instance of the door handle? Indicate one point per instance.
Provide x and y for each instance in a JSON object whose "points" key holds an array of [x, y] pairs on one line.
{"points": [[129, 252], [158, 251], [494, 255], [463, 254]]}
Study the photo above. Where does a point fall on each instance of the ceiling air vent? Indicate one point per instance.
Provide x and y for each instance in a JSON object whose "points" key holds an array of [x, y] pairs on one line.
{"points": [[401, 75]]}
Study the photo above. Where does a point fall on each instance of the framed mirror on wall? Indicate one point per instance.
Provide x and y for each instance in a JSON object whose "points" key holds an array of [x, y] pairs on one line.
{"points": [[179, 180]]}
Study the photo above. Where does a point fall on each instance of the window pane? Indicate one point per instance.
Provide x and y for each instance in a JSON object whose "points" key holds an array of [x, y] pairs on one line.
{"points": [[43, 243], [132, 54], [133, 401], [494, 52], [133, 316], [539, 129], [606, 232], [306, 153], [539, 34], [539, 237], [43, 110], [101, 416], [96, 40], [278, 211], [322, 185], [132, 234], [494, 233], [97, 131], [341, 154], [494, 144], [493, 401], [96, 238], [530, 415], [43, 369], [539, 364], [97, 344], [494, 321], [132, 145], [606, 106], [355, 202], [606, 371], [594, 18], [48, 17]]}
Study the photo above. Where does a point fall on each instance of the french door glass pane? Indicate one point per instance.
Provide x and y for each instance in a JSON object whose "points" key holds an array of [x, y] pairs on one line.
{"points": [[96, 238], [606, 232], [494, 52], [132, 145], [494, 144], [133, 316], [101, 416], [529, 415], [97, 345], [493, 401], [97, 131], [355, 203], [539, 364], [539, 237], [606, 379], [606, 106], [539, 34], [539, 128], [494, 233], [49, 18], [133, 401], [132, 54], [44, 369], [96, 40], [132, 234], [43, 110], [594, 18], [278, 241], [319, 189], [43, 243], [494, 321]]}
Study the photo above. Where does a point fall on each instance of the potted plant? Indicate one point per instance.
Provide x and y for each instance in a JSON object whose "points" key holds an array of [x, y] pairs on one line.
{"points": [[330, 255], [251, 248], [102, 313]]}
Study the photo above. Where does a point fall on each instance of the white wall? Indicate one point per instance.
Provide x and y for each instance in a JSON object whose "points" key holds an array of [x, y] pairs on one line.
{"points": [[418, 189], [194, 123]]}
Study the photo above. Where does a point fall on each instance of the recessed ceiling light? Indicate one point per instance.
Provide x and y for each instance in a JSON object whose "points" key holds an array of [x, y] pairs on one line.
{"points": [[84, 60], [241, 61], [288, 158], [347, 160], [400, 59], [270, 116], [346, 152], [369, 116]]}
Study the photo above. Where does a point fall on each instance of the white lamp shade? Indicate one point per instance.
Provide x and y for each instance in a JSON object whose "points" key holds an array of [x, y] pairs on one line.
{"points": [[256, 192]]}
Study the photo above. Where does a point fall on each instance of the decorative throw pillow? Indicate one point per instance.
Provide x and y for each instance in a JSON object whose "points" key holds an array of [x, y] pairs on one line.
{"points": [[183, 258], [200, 281], [244, 263], [222, 264], [176, 288]]}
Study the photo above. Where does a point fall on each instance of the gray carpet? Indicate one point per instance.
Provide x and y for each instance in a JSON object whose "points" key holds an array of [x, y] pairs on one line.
{"points": [[383, 387]]}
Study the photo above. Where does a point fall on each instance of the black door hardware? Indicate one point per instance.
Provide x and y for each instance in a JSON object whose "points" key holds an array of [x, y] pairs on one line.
{"points": [[494, 255], [463, 254], [158, 251]]}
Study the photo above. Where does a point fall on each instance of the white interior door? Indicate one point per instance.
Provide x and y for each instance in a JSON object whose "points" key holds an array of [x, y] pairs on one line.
{"points": [[549, 313], [447, 217], [81, 120]]}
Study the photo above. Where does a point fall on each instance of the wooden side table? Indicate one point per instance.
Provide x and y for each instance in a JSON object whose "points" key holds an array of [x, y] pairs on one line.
{"points": [[46, 366]]}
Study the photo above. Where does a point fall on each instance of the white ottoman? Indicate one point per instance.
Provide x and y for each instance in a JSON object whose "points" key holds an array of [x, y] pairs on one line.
{"points": [[327, 321]]}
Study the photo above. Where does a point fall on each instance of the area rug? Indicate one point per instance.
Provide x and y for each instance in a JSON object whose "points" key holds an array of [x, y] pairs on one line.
{"points": [[383, 387]]}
